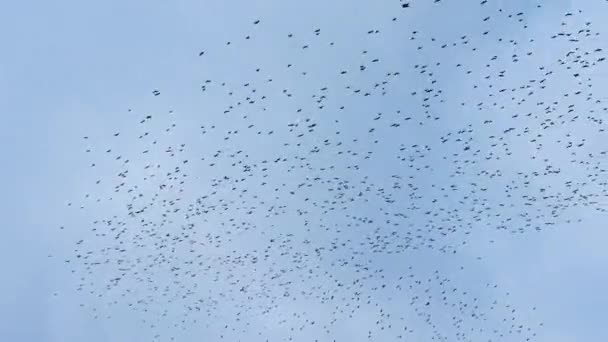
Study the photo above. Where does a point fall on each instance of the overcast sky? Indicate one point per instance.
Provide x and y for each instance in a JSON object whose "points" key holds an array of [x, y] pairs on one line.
{"points": [[70, 69]]}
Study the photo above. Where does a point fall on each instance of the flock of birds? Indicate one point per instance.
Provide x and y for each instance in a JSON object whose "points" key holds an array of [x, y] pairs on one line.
{"points": [[294, 215]]}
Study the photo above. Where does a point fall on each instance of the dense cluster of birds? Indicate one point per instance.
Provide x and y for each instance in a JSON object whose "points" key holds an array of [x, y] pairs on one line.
{"points": [[295, 212]]}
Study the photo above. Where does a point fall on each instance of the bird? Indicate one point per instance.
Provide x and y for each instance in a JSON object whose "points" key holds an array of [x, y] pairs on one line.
{"points": [[308, 200]]}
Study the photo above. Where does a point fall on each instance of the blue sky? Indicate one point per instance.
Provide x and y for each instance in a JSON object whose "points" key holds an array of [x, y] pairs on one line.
{"points": [[69, 69]]}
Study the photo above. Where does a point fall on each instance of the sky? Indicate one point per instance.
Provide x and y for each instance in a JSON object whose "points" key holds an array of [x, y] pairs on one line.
{"points": [[70, 69]]}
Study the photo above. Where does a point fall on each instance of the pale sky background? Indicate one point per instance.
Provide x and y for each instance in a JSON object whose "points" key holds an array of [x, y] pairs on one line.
{"points": [[73, 68]]}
